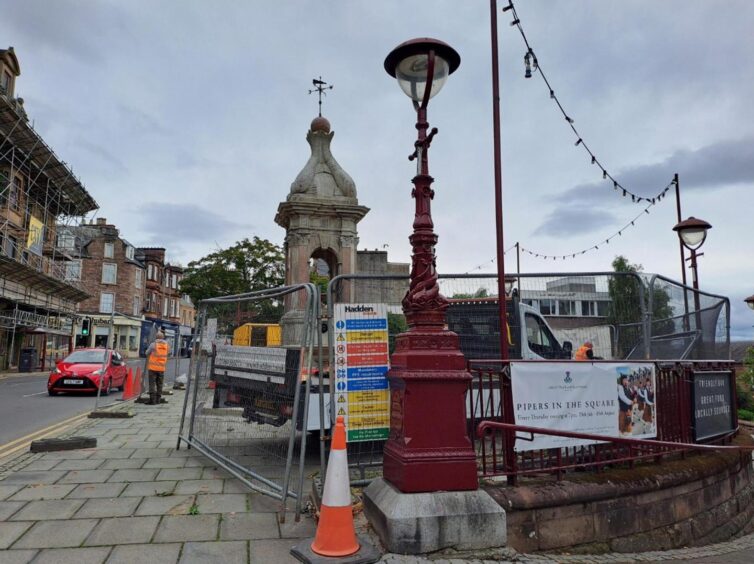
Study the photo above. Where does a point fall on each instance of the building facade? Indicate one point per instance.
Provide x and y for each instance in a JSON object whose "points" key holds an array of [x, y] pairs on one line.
{"points": [[105, 264], [162, 300], [37, 191]]}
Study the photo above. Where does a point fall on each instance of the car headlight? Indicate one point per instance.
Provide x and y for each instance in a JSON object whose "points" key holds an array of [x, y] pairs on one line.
{"points": [[57, 371], [98, 372]]}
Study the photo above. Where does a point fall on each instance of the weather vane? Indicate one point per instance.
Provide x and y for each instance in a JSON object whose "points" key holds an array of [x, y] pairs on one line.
{"points": [[320, 86]]}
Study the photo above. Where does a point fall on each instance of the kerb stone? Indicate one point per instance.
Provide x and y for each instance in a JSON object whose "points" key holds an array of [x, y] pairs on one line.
{"points": [[427, 522]]}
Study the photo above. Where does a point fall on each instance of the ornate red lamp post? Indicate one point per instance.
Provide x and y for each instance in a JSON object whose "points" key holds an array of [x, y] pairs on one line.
{"points": [[428, 448]]}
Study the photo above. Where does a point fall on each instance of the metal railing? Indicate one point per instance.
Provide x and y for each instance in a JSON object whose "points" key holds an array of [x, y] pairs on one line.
{"points": [[493, 428]]}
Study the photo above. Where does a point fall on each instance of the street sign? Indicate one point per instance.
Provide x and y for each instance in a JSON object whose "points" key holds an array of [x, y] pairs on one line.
{"points": [[362, 361]]}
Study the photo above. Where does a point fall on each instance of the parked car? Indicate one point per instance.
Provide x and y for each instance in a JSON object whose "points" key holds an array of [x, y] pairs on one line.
{"points": [[84, 370]]}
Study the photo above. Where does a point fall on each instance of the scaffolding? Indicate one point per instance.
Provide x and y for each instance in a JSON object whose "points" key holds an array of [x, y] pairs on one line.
{"points": [[39, 194]]}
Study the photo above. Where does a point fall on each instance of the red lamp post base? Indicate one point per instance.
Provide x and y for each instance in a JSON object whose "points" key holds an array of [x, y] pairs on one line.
{"points": [[429, 448]]}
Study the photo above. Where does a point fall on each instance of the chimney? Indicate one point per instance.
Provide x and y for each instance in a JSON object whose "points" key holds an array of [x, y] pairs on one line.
{"points": [[101, 221]]}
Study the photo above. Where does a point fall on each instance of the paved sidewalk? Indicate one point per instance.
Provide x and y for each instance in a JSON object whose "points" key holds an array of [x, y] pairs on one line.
{"points": [[135, 498]]}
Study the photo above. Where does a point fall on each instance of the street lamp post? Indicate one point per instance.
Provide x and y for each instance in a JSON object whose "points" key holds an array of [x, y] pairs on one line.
{"points": [[428, 448], [693, 233], [750, 302]]}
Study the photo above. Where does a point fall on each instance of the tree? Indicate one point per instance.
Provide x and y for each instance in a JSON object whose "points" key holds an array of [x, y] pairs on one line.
{"points": [[247, 266], [625, 310]]}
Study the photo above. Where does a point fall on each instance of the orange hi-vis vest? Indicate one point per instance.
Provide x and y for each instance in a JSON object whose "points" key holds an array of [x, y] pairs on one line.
{"points": [[581, 353], [159, 358]]}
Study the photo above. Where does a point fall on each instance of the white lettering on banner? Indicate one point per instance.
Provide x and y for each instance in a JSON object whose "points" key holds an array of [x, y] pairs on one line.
{"points": [[609, 399]]}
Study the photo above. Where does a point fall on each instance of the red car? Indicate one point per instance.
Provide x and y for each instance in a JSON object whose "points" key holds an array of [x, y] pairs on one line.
{"points": [[84, 370]]}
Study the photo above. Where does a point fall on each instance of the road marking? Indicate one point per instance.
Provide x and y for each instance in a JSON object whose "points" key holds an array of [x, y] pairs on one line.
{"points": [[37, 394], [23, 442]]}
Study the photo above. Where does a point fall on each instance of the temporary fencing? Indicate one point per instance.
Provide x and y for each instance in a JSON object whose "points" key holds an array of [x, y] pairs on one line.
{"points": [[626, 316], [251, 375]]}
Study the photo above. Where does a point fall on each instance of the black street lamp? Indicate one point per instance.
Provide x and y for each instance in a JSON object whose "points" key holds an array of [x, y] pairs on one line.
{"points": [[693, 233]]}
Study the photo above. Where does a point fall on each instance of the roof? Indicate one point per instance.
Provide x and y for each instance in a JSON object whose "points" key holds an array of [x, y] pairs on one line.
{"points": [[738, 349], [14, 125]]}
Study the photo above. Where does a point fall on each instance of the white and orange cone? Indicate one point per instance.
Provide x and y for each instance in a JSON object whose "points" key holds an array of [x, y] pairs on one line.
{"points": [[336, 535]]}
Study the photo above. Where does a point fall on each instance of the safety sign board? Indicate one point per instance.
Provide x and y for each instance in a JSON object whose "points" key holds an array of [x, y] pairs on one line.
{"points": [[362, 362]]}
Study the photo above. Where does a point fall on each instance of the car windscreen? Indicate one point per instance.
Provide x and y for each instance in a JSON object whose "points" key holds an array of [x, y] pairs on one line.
{"points": [[86, 357]]}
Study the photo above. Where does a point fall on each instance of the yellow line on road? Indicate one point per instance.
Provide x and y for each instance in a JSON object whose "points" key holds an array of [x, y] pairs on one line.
{"points": [[14, 446]]}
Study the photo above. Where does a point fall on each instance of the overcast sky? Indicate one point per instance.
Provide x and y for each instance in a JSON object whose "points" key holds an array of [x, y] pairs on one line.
{"points": [[186, 120]]}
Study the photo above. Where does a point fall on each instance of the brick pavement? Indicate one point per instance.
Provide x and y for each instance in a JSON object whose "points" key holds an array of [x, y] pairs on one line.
{"points": [[135, 498]]}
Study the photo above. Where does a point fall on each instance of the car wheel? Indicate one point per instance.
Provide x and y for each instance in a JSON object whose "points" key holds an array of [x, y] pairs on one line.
{"points": [[52, 392]]}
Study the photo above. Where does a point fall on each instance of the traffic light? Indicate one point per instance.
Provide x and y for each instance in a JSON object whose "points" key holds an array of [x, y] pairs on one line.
{"points": [[86, 325]]}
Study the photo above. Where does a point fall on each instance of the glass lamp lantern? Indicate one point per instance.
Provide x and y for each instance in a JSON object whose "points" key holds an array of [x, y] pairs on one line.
{"points": [[750, 302], [410, 64], [692, 232]]}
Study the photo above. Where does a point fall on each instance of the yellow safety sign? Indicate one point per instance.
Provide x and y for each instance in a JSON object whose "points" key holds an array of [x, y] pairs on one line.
{"points": [[368, 408], [341, 411], [341, 398], [366, 336], [369, 396], [368, 421], [340, 337]]}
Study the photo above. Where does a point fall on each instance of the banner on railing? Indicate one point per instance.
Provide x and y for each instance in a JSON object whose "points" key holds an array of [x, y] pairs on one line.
{"points": [[361, 360], [609, 399]]}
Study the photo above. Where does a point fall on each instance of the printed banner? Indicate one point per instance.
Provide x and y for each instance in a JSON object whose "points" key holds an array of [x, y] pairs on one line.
{"points": [[361, 366], [35, 239], [609, 399]]}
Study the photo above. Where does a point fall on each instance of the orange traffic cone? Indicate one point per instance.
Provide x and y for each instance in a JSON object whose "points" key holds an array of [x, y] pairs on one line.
{"points": [[336, 535], [128, 388]]}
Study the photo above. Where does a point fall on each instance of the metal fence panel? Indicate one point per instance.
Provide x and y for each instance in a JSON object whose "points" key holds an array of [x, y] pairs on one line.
{"points": [[249, 387]]}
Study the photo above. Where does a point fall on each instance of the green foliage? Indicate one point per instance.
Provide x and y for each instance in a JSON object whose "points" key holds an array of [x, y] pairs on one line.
{"points": [[194, 509], [247, 266], [320, 280], [480, 293], [625, 308], [746, 415], [396, 324], [748, 373], [744, 396]]}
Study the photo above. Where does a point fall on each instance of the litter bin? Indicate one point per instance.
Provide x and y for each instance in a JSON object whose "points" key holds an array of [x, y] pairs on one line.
{"points": [[27, 362]]}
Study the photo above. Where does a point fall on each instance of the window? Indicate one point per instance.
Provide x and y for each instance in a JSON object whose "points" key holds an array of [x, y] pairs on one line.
{"points": [[566, 307], [540, 338], [602, 308], [66, 240], [149, 272], [136, 311], [547, 307], [109, 273], [73, 270], [137, 278], [109, 250], [174, 281], [129, 252], [106, 302], [15, 189], [165, 308]]}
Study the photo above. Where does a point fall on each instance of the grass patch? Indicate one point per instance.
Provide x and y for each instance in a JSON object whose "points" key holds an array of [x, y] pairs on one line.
{"points": [[194, 509]]}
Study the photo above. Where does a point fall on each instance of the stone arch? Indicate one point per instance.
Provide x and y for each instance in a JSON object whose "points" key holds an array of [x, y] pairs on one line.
{"points": [[330, 258]]}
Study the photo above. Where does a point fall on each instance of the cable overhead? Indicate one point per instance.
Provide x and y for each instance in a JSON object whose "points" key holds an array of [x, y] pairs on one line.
{"points": [[531, 65]]}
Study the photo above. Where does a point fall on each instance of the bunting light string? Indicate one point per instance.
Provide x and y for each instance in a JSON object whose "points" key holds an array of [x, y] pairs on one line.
{"points": [[531, 64], [492, 261], [602, 242]]}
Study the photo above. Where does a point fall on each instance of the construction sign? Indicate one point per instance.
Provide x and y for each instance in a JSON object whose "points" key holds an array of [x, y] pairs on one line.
{"points": [[362, 362]]}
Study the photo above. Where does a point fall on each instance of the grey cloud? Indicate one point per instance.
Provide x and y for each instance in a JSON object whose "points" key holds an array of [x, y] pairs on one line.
{"points": [[171, 224], [571, 221], [712, 167]]}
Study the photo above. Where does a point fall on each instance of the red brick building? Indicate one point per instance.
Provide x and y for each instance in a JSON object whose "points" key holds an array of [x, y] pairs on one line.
{"points": [[106, 266]]}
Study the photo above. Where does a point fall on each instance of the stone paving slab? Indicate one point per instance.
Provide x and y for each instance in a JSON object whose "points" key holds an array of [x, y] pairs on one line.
{"points": [[199, 486], [165, 462], [7, 491], [18, 556], [123, 463], [152, 553], [40, 477], [180, 474], [244, 526], [73, 555], [85, 491], [234, 552], [81, 464], [8, 508], [165, 505], [222, 503], [134, 475], [142, 489], [88, 477], [123, 530], [33, 492], [44, 464], [56, 534], [268, 551], [98, 508], [187, 528], [10, 532], [114, 453], [48, 509]]}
